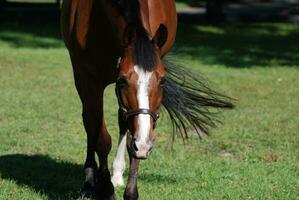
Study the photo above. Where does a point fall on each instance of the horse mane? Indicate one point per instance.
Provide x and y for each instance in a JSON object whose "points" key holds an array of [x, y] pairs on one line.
{"points": [[145, 55], [189, 101]]}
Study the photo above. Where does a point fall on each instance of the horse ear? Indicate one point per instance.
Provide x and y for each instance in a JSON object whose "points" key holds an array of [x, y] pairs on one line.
{"points": [[161, 36], [129, 35]]}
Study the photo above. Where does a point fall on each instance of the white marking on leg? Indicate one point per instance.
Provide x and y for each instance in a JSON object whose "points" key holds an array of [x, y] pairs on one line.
{"points": [[119, 164], [118, 62], [89, 176], [144, 121]]}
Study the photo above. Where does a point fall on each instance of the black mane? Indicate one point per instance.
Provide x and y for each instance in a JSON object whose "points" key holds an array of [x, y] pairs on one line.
{"points": [[144, 51]]}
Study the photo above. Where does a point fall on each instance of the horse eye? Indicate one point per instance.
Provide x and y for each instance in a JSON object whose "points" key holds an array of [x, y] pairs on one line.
{"points": [[162, 81], [122, 81]]}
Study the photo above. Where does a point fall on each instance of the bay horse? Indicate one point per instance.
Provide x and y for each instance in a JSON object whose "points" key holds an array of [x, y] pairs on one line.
{"points": [[126, 42]]}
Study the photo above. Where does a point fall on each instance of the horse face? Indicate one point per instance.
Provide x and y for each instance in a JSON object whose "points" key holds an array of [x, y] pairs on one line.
{"points": [[140, 96]]}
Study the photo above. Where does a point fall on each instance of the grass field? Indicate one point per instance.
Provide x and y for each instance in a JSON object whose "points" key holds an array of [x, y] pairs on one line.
{"points": [[252, 155]]}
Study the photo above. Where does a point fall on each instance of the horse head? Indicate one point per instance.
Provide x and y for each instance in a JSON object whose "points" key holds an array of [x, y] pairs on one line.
{"points": [[139, 88]]}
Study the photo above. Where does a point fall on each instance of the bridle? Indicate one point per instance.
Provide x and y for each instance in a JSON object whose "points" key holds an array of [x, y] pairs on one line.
{"points": [[127, 114]]}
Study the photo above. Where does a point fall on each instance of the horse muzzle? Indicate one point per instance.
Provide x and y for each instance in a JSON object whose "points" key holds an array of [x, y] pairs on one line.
{"points": [[141, 149]]}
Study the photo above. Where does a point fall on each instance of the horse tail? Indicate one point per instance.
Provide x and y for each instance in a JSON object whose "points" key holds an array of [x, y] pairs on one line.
{"points": [[190, 102]]}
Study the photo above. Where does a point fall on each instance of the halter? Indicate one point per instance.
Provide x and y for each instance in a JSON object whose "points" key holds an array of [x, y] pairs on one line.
{"points": [[127, 114]]}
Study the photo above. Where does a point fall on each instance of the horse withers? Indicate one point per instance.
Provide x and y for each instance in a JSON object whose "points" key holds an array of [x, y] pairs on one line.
{"points": [[125, 42]]}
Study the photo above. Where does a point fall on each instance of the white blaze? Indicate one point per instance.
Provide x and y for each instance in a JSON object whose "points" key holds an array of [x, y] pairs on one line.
{"points": [[144, 121]]}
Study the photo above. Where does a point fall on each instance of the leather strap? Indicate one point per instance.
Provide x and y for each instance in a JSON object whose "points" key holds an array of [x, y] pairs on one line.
{"points": [[130, 113]]}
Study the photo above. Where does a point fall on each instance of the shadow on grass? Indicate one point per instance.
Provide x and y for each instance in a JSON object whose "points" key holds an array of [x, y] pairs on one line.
{"points": [[240, 45], [57, 180], [31, 34], [30, 24]]}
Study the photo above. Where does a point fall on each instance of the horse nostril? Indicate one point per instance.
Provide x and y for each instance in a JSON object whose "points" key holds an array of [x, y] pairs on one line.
{"points": [[149, 143], [135, 146], [150, 149]]}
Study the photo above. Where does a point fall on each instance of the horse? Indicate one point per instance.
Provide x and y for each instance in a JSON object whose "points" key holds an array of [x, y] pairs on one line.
{"points": [[126, 42]]}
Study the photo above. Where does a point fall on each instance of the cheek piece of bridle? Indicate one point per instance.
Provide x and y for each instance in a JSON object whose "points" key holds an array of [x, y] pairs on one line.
{"points": [[127, 114]]}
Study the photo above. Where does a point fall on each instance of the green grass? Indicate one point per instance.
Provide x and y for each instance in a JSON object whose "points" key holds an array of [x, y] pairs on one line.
{"points": [[181, 5], [252, 155], [184, 4]]}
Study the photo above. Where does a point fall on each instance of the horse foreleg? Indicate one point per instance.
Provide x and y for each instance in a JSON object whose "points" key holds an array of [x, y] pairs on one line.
{"points": [[90, 165], [92, 115], [119, 161], [104, 186], [98, 139], [131, 192]]}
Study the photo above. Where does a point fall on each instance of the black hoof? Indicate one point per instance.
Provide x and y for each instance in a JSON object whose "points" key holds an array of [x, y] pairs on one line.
{"points": [[104, 188], [129, 197], [88, 191], [105, 197]]}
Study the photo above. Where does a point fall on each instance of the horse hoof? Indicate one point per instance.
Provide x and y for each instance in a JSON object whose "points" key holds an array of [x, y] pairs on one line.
{"points": [[105, 190], [99, 197], [127, 197], [88, 191]]}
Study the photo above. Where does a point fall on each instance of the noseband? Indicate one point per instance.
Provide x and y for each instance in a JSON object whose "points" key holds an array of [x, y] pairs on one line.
{"points": [[127, 114]]}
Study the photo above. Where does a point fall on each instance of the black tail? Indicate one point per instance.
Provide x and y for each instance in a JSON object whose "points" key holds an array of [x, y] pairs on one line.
{"points": [[189, 101]]}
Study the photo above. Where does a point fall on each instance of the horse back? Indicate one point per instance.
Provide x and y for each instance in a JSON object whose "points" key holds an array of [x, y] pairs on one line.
{"points": [[93, 31], [76, 18]]}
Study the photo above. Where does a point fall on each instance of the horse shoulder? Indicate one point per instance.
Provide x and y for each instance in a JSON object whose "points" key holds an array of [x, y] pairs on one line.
{"points": [[75, 21], [67, 19]]}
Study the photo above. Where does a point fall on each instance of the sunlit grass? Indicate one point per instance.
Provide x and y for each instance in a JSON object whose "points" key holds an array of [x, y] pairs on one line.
{"points": [[182, 5]]}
